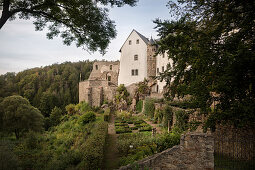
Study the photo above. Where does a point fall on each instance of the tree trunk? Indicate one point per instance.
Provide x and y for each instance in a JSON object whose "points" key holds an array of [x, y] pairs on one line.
{"points": [[6, 14]]}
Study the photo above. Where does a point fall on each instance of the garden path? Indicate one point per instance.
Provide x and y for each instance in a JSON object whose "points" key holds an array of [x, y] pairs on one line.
{"points": [[111, 151]]}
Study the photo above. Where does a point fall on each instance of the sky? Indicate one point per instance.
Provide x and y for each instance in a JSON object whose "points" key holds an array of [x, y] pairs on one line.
{"points": [[21, 47]]}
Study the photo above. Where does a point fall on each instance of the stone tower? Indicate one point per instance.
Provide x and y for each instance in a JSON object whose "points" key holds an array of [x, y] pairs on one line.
{"points": [[151, 59]]}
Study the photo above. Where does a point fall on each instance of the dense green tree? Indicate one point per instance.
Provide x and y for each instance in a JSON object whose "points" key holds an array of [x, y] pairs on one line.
{"points": [[47, 87], [55, 116], [19, 116], [212, 46], [85, 22]]}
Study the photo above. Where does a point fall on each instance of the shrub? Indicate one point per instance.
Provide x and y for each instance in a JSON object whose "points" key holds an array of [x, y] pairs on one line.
{"points": [[158, 116], [87, 117], [182, 119], [145, 128], [84, 107], [70, 109], [123, 115], [139, 106], [107, 114], [168, 115], [167, 140], [149, 107], [93, 148]]}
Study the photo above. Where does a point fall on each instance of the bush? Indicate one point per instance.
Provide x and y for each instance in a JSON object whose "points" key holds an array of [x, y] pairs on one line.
{"points": [[93, 148], [88, 117], [145, 128], [149, 107], [70, 109], [139, 106], [168, 116], [123, 115], [158, 116], [107, 114], [182, 119], [167, 140], [83, 107]]}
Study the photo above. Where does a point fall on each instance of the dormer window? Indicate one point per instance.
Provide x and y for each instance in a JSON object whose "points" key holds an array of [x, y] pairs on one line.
{"points": [[129, 42], [110, 67], [96, 67], [137, 41], [135, 57]]}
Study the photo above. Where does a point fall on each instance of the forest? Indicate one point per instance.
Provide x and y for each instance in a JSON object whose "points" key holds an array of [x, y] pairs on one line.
{"points": [[47, 87]]}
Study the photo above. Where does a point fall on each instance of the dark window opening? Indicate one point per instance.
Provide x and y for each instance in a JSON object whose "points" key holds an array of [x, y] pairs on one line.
{"points": [[109, 78], [129, 42], [96, 67], [110, 67], [137, 41], [135, 57]]}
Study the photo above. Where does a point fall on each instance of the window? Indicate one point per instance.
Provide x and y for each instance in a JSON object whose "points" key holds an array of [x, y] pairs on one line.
{"points": [[157, 70], [134, 72], [163, 55], [157, 89], [137, 41], [129, 42], [135, 57], [163, 69], [96, 67], [109, 78], [110, 67]]}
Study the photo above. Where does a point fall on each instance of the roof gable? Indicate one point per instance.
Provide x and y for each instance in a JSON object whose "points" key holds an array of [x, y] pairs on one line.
{"points": [[140, 35]]}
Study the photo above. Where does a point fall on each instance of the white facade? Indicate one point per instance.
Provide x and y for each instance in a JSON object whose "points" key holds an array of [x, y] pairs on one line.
{"points": [[162, 62], [133, 47], [136, 46]]}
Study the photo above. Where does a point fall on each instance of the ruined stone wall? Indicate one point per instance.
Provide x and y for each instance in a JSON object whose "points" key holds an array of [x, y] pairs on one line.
{"points": [[195, 152], [84, 92], [100, 67], [97, 96], [109, 93]]}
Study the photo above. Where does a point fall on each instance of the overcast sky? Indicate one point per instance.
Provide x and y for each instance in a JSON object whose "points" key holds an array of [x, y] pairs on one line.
{"points": [[21, 47]]}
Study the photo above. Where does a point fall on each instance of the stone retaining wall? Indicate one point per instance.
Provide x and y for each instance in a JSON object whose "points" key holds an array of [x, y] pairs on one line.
{"points": [[195, 152]]}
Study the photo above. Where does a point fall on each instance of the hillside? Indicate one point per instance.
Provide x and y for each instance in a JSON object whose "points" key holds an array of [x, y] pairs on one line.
{"points": [[47, 87]]}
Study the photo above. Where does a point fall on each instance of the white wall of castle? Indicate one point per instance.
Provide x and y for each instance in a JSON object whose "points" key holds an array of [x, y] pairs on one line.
{"points": [[127, 62], [162, 61]]}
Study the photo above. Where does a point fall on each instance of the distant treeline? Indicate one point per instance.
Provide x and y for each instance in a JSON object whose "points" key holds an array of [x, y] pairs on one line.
{"points": [[47, 87]]}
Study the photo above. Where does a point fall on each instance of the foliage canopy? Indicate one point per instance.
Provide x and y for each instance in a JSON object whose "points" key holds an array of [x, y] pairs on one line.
{"points": [[84, 22], [19, 116], [212, 48]]}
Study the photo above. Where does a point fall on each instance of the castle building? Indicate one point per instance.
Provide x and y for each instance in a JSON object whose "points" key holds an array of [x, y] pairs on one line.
{"points": [[138, 61], [101, 85]]}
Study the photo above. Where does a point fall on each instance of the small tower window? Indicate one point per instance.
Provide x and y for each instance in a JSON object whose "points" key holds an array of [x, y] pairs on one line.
{"points": [[157, 70], [129, 42], [96, 67], [136, 57], [137, 41], [163, 68], [163, 55], [109, 78], [110, 67]]}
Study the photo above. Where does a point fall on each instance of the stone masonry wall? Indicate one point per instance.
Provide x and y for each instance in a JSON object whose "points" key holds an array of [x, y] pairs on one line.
{"points": [[151, 61], [195, 152]]}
